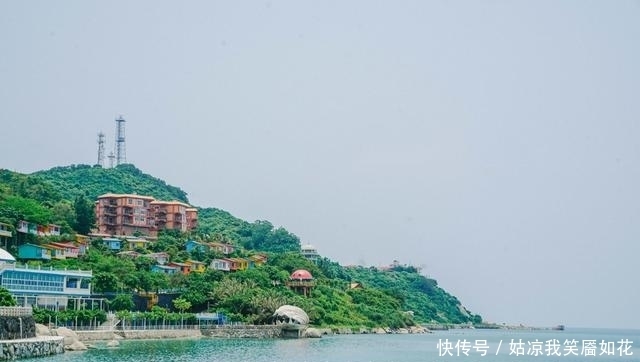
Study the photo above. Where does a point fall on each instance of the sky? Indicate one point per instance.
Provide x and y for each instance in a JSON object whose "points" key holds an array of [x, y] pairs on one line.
{"points": [[494, 144]]}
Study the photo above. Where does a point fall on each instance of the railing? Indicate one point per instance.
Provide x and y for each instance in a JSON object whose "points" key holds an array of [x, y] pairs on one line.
{"points": [[39, 267], [16, 311], [141, 325]]}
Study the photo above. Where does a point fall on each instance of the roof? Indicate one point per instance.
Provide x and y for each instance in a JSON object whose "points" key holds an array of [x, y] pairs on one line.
{"points": [[308, 247], [5, 256], [65, 245], [110, 195], [193, 262], [301, 274], [294, 313], [158, 202]]}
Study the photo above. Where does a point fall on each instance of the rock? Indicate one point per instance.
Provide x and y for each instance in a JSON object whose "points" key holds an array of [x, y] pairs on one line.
{"points": [[42, 330], [312, 333], [402, 331], [419, 330], [70, 337], [113, 343], [76, 346], [379, 331]]}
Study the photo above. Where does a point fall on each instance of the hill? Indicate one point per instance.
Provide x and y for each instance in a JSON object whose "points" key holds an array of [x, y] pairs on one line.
{"points": [[354, 296], [92, 181]]}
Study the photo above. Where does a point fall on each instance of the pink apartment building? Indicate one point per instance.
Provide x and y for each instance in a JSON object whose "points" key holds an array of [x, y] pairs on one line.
{"points": [[128, 214]]}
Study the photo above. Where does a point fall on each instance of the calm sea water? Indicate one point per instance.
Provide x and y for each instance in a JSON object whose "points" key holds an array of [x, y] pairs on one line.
{"points": [[379, 348]]}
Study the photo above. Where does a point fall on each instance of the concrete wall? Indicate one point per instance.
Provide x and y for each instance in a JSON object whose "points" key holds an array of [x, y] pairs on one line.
{"points": [[33, 347]]}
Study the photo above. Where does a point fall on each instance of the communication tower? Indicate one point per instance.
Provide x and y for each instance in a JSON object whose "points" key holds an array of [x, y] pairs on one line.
{"points": [[121, 151], [101, 149], [112, 157]]}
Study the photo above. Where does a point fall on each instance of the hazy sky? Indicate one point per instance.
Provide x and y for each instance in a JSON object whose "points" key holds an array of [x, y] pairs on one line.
{"points": [[493, 143]]}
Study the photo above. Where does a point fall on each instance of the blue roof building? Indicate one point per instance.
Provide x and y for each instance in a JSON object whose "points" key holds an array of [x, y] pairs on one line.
{"points": [[112, 243]]}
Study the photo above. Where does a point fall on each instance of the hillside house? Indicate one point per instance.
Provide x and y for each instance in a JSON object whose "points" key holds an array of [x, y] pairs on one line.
{"points": [[33, 252]]}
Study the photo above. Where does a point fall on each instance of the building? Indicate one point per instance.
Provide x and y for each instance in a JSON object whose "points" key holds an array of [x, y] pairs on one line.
{"points": [[183, 268], [33, 252], [164, 269], [137, 243], [170, 215], [223, 248], [220, 264], [70, 250], [160, 257], [112, 244], [46, 287], [5, 233], [35, 229], [192, 217], [196, 266], [129, 214], [310, 252], [192, 245], [301, 281]]}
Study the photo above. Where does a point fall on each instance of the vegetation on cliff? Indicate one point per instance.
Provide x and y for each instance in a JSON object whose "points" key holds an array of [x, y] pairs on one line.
{"points": [[342, 296]]}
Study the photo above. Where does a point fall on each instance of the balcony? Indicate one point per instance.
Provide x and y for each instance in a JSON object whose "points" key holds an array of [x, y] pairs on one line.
{"points": [[109, 210]]}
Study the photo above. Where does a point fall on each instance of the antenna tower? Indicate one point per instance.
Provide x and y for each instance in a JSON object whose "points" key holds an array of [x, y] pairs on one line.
{"points": [[112, 157], [101, 149], [121, 151]]}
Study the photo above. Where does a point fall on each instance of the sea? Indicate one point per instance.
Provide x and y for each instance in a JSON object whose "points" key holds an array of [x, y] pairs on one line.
{"points": [[459, 345]]}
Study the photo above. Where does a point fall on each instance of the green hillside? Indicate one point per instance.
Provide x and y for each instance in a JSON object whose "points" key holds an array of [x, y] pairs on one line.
{"points": [[397, 297], [92, 181]]}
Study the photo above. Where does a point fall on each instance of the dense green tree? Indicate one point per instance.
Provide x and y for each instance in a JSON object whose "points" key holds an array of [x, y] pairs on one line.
{"points": [[6, 299], [105, 282], [181, 304], [85, 214], [122, 302], [19, 208]]}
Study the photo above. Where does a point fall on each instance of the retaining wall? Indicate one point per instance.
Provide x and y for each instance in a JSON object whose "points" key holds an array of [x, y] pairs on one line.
{"points": [[266, 331], [31, 347]]}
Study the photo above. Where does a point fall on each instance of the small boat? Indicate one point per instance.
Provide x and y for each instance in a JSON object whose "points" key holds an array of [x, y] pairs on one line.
{"points": [[559, 327]]}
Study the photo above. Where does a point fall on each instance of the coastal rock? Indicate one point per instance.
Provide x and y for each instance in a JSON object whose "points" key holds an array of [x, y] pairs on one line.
{"points": [[418, 330], [113, 343], [402, 331], [42, 330], [379, 331], [71, 340], [76, 346], [70, 337], [312, 333]]}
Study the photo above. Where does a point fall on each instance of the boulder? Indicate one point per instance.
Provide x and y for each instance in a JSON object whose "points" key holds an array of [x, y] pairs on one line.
{"points": [[113, 343], [70, 337], [42, 330], [312, 333], [76, 346]]}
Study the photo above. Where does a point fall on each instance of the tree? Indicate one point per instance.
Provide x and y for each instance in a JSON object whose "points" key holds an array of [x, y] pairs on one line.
{"points": [[182, 305], [6, 299], [105, 282], [122, 302], [85, 214]]}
